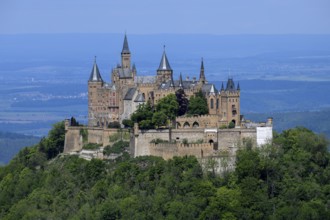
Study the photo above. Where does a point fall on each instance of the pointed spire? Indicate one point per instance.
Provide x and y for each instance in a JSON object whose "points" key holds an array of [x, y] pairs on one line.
{"points": [[202, 75], [222, 88], [125, 46], [180, 82], [134, 67], [238, 87], [164, 64], [212, 90], [230, 85], [95, 74]]}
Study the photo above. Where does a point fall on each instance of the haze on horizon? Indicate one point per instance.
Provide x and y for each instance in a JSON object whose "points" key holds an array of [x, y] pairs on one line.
{"points": [[218, 17]]}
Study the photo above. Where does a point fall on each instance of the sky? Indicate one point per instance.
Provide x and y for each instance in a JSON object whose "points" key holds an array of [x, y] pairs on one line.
{"points": [[219, 17]]}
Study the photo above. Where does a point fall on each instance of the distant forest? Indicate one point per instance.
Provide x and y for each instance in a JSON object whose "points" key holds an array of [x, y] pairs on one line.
{"points": [[11, 143]]}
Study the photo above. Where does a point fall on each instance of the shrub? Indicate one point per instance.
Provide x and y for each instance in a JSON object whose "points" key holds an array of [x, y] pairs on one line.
{"points": [[91, 146], [114, 124], [116, 148]]}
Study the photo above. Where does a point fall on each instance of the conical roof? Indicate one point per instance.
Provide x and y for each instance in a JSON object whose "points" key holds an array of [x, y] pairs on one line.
{"points": [[230, 85], [125, 46], [180, 82], [164, 64], [95, 74]]}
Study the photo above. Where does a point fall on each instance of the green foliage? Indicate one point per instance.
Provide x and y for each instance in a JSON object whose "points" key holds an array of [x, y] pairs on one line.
{"points": [[114, 137], [169, 106], [114, 124], [143, 116], [198, 104], [84, 133], [116, 148], [54, 143], [91, 146], [231, 125], [128, 123], [183, 102], [159, 119], [288, 179]]}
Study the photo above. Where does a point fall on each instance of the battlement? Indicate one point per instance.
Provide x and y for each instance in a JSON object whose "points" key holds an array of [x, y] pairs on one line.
{"points": [[169, 150]]}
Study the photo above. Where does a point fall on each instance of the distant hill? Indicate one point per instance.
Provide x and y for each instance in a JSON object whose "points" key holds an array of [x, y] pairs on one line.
{"points": [[12, 143], [317, 121]]}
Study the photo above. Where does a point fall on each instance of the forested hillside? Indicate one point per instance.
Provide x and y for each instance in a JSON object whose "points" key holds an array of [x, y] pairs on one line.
{"points": [[288, 179]]}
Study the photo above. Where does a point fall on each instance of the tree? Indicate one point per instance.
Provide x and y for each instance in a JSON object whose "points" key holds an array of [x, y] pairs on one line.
{"points": [[128, 123], [198, 104], [159, 119], [169, 106], [181, 98], [143, 116]]}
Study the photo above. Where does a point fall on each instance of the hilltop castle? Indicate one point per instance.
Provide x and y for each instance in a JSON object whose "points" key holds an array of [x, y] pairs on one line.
{"points": [[116, 101], [205, 136]]}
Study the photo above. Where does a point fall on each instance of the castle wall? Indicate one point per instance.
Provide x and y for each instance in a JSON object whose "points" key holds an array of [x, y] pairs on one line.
{"points": [[227, 140], [73, 140]]}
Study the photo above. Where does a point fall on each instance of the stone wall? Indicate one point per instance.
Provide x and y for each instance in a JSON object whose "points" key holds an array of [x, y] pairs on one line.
{"points": [[222, 140], [169, 150]]}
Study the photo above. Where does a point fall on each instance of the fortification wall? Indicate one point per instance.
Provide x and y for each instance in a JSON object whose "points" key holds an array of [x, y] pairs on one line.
{"points": [[73, 140], [226, 140], [169, 150]]}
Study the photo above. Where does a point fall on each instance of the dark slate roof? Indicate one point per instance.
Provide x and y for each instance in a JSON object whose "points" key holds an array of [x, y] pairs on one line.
{"points": [[230, 85], [185, 84], [125, 73], [164, 64], [145, 79], [95, 74], [139, 98], [130, 93], [207, 88], [125, 46]]}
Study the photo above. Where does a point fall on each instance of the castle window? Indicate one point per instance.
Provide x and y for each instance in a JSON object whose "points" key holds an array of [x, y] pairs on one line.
{"points": [[186, 125], [217, 103], [212, 104], [195, 124]]}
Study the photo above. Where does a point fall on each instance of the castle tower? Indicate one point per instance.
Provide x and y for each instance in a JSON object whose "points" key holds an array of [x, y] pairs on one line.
{"points": [[164, 72], [125, 55], [95, 83], [202, 78], [230, 103]]}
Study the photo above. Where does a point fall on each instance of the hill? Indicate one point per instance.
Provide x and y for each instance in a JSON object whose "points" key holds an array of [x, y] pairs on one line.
{"points": [[287, 179]]}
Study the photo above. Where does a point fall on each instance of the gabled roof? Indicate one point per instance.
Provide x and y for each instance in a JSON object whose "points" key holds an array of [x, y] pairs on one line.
{"points": [[125, 73], [95, 74], [130, 93], [164, 64], [209, 88], [139, 98], [125, 46]]}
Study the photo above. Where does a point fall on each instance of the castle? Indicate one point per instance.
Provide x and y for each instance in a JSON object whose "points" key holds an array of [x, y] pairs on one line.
{"points": [[116, 101], [204, 136]]}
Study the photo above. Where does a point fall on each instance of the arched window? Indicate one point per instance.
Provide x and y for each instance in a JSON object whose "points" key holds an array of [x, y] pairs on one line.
{"points": [[217, 103], [178, 125], [195, 124], [186, 125], [212, 104]]}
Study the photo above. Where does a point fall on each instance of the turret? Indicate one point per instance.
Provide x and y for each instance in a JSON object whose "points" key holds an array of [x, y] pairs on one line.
{"points": [[180, 82], [125, 55], [164, 71], [202, 78], [95, 74]]}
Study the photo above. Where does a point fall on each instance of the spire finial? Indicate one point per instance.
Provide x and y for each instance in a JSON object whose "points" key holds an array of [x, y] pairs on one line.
{"points": [[94, 59], [164, 47]]}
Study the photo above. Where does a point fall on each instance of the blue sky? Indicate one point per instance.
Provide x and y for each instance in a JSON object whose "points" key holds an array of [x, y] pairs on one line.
{"points": [[166, 16]]}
